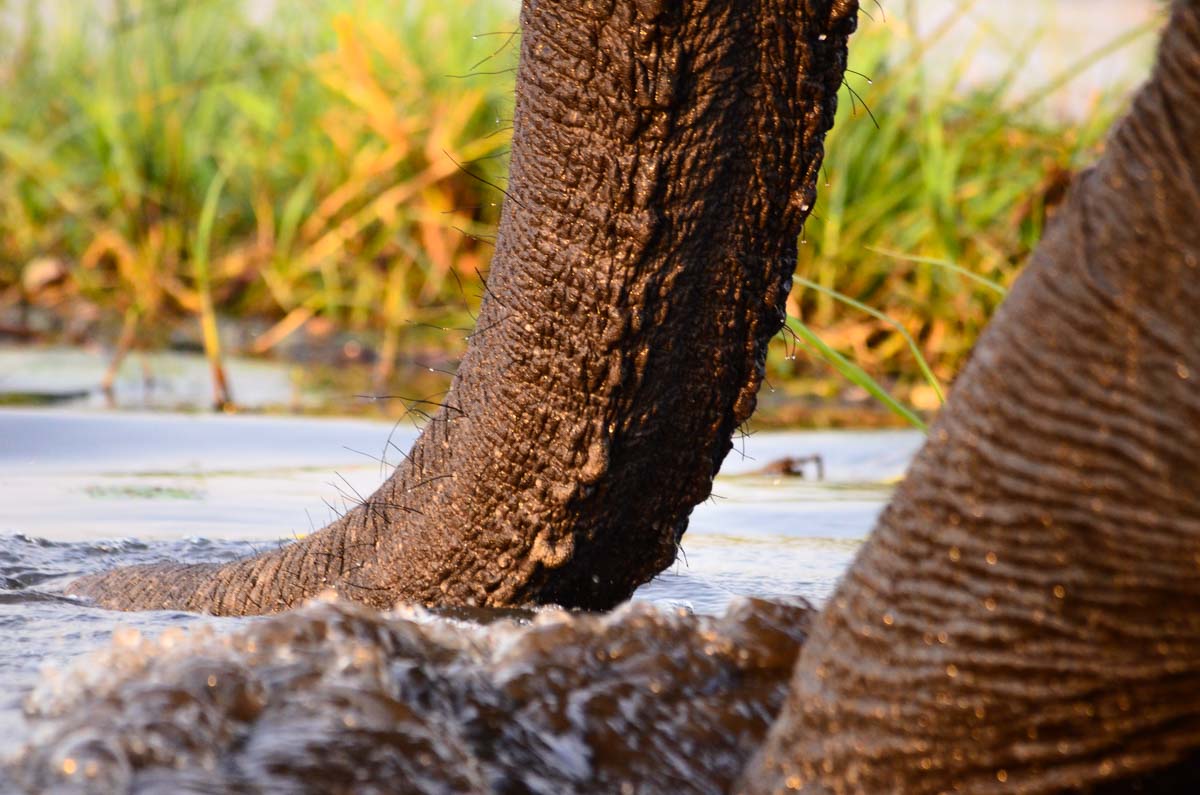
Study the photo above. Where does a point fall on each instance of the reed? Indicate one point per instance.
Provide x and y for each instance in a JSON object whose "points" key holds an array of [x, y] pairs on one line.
{"points": [[932, 202], [187, 164]]}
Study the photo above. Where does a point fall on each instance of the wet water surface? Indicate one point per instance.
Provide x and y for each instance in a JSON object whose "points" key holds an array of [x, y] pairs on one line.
{"points": [[82, 491]]}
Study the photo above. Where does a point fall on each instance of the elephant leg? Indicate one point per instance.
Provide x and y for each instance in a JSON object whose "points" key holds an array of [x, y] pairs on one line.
{"points": [[664, 159], [1026, 615]]}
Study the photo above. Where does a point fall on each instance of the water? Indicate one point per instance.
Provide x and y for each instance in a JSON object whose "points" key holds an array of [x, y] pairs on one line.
{"points": [[337, 699], [159, 380], [87, 490]]}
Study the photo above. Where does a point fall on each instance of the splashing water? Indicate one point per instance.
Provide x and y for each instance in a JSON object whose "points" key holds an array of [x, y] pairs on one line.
{"points": [[335, 698], [660, 695]]}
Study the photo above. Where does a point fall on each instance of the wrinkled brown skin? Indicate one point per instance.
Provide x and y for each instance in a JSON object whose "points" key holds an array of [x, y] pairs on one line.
{"points": [[1026, 616], [664, 159]]}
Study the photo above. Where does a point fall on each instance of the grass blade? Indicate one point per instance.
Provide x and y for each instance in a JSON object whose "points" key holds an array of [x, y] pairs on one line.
{"points": [[855, 374], [203, 274], [995, 286]]}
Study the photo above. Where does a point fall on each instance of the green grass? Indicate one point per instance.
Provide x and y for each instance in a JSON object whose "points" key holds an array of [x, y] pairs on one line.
{"points": [[929, 208], [143, 493], [323, 146], [187, 164]]}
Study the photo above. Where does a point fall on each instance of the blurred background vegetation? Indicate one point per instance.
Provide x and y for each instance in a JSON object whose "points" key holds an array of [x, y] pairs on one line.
{"points": [[309, 181]]}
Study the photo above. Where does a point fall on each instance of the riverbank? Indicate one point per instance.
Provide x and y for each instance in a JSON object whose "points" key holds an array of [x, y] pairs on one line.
{"points": [[321, 192]]}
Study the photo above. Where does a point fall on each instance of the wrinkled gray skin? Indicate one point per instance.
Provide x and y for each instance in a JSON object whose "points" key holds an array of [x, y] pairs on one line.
{"points": [[664, 158], [1026, 617]]}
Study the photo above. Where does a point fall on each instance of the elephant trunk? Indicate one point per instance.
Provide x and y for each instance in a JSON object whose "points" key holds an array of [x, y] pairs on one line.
{"points": [[664, 158], [1025, 616]]}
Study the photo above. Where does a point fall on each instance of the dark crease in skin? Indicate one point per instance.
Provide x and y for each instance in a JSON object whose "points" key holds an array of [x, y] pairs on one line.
{"points": [[664, 159]]}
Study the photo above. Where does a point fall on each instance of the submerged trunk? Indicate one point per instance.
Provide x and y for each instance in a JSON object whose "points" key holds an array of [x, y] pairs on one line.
{"points": [[664, 158], [1026, 616]]}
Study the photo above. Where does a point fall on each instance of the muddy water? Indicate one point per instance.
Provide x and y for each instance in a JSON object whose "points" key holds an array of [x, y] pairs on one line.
{"points": [[691, 674]]}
